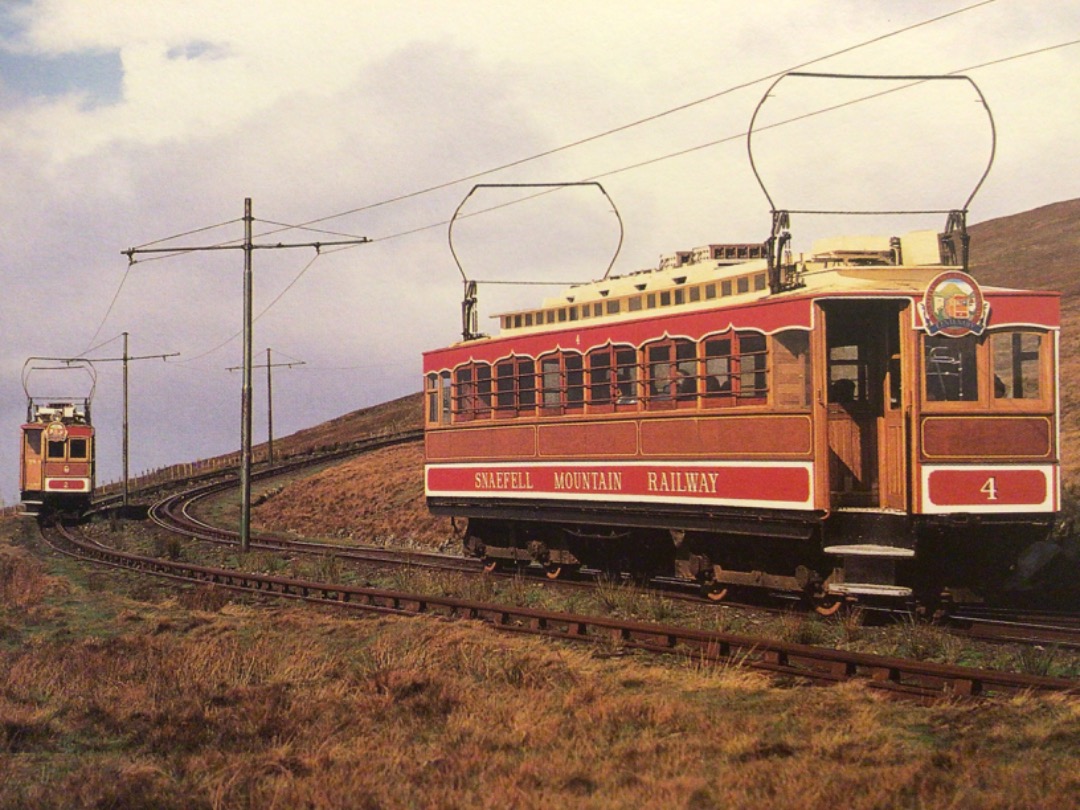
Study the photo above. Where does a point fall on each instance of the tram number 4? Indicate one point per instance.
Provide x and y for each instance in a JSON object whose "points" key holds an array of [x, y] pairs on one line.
{"points": [[989, 489]]}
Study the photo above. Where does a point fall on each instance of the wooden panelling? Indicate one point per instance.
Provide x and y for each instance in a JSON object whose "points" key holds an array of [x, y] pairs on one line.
{"points": [[739, 436], [589, 439], [76, 469], [985, 437], [510, 442], [852, 459]]}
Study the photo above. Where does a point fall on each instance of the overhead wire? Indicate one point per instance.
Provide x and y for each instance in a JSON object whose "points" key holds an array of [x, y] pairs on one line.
{"points": [[641, 164], [647, 119], [255, 319], [280, 227], [127, 271], [726, 139]]}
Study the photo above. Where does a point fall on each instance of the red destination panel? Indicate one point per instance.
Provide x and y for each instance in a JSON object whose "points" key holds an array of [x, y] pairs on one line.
{"points": [[67, 484], [987, 487], [766, 484]]}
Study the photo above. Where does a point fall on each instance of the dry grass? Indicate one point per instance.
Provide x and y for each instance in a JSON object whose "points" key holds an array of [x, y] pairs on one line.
{"points": [[376, 499], [214, 705]]}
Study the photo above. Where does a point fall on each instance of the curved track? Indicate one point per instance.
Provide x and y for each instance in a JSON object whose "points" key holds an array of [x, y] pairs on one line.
{"points": [[173, 513], [805, 664]]}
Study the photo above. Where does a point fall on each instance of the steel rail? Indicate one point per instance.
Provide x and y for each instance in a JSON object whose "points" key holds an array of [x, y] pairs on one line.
{"points": [[173, 514], [909, 679]]}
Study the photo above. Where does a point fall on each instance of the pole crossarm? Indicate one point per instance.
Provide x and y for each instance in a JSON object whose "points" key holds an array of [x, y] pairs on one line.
{"points": [[122, 359], [125, 358], [271, 365], [132, 252], [248, 245]]}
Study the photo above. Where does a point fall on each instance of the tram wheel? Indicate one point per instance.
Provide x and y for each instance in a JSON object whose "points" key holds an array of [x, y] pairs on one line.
{"points": [[828, 605], [714, 591]]}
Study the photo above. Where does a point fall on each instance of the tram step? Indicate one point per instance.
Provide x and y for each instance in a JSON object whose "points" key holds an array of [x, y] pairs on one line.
{"points": [[871, 550], [868, 589], [30, 508]]}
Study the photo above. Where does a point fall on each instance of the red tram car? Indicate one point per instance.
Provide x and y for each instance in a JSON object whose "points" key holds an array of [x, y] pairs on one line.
{"points": [[863, 421], [57, 454]]}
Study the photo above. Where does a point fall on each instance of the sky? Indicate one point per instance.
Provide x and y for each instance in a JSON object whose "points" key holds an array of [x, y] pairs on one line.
{"points": [[124, 124]]}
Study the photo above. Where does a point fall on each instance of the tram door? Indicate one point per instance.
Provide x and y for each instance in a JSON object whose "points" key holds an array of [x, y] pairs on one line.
{"points": [[864, 404], [31, 460]]}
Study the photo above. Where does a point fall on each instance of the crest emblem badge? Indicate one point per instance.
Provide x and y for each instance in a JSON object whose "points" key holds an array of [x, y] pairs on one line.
{"points": [[954, 306], [56, 432]]}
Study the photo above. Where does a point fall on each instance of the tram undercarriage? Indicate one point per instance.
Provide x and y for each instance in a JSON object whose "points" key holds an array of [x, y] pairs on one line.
{"points": [[864, 555]]}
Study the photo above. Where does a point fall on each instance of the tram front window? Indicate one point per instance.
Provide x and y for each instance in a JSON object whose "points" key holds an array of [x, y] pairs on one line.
{"points": [[1017, 362], [952, 373]]}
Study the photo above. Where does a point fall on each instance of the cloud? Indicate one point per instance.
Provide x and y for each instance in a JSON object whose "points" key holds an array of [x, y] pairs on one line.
{"points": [[323, 107]]}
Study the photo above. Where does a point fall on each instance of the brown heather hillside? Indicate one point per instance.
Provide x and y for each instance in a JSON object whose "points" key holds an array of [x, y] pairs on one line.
{"points": [[379, 498]]}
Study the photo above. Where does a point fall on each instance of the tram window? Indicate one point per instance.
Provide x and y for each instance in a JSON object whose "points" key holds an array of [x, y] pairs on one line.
{"points": [[742, 284], [504, 386], [686, 377], [626, 375], [650, 300], [710, 292], [597, 309], [600, 376], [725, 289], [952, 373], [573, 313], [680, 296], [659, 382], [1016, 364], [444, 396], [575, 379], [634, 304], [665, 298], [672, 371], [752, 365], [483, 389], [433, 397], [759, 282], [613, 307], [550, 388], [718, 366], [464, 393], [515, 388], [562, 314], [695, 294], [77, 450], [55, 450], [33, 442], [847, 374], [526, 383]]}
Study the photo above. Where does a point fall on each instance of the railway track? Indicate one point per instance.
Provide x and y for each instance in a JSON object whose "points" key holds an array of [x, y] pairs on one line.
{"points": [[797, 662], [174, 513], [792, 662], [1045, 628]]}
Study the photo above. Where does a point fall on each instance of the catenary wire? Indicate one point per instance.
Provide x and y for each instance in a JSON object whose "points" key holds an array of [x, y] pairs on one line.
{"points": [[645, 120], [641, 164]]}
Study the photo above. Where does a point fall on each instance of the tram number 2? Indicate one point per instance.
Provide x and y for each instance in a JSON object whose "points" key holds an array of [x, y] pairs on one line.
{"points": [[989, 489]]}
